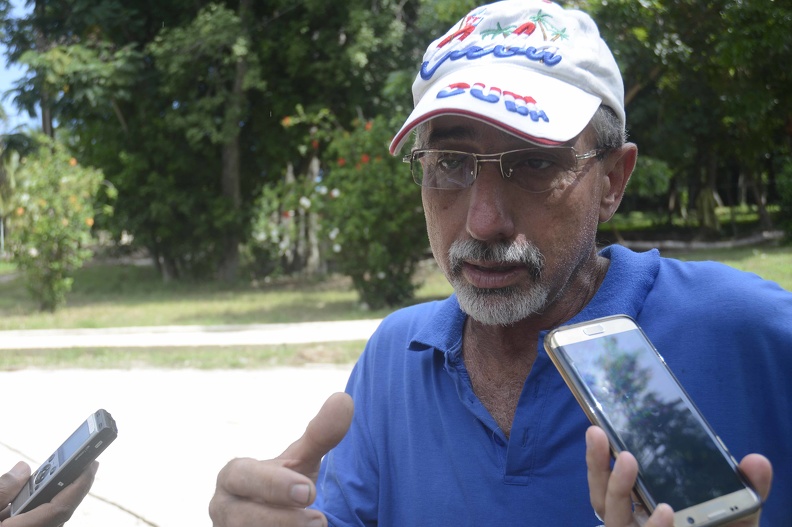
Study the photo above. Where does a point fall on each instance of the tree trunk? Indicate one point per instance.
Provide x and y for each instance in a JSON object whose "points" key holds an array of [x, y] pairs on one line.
{"points": [[42, 45], [755, 184], [229, 268], [707, 200], [313, 264]]}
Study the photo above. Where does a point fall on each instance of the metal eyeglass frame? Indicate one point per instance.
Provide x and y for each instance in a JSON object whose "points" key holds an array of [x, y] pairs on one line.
{"points": [[497, 158]]}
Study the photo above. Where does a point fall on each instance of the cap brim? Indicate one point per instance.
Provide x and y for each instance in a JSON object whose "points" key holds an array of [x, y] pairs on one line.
{"points": [[522, 102]]}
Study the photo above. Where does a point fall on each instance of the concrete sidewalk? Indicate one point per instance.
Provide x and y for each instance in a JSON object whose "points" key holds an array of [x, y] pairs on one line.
{"points": [[159, 336], [177, 429]]}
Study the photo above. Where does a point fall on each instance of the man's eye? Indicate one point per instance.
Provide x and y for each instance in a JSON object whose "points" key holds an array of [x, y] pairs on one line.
{"points": [[533, 162], [450, 163]]}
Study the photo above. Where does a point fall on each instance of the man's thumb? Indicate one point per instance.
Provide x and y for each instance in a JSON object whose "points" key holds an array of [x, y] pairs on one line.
{"points": [[12, 482], [323, 433]]}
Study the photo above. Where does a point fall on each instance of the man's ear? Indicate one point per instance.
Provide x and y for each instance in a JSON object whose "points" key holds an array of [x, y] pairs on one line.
{"points": [[619, 165]]}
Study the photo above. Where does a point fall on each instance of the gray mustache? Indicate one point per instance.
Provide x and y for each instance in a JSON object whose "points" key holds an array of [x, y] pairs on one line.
{"points": [[515, 253]]}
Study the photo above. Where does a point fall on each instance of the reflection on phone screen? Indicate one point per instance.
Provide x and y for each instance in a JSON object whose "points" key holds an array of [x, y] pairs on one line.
{"points": [[679, 461]]}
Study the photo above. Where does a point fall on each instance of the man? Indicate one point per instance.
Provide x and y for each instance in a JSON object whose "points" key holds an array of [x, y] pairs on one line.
{"points": [[459, 416], [52, 514]]}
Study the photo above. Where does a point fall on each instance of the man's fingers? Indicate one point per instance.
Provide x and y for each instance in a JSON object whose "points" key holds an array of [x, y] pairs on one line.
{"points": [[62, 507], [266, 482], [275, 492], [323, 433], [252, 492], [13, 481], [231, 511], [10, 485], [663, 516], [618, 497], [598, 463], [75, 492], [759, 472]]}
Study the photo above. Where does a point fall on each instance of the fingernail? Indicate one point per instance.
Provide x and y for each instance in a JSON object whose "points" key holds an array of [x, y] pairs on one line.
{"points": [[316, 522], [300, 493]]}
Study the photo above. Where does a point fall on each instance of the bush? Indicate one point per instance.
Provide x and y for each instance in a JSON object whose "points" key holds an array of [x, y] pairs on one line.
{"points": [[373, 218], [50, 227]]}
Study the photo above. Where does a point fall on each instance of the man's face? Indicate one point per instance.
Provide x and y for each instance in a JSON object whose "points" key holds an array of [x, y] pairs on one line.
{"points": [[509, 253]]}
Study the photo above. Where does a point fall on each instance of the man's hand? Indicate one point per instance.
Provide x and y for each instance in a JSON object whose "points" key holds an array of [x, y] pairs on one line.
{"points": [[274, 493], [52, 514], [611, 491]]}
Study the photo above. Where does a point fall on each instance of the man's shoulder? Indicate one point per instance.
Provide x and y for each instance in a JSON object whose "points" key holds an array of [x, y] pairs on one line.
{"points": [[704, 277]]}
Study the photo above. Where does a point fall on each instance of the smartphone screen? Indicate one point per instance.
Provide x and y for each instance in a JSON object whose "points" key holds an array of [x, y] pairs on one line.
{"points": [[627, 389]]}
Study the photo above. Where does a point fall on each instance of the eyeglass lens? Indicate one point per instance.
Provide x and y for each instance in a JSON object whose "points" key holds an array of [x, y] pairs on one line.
{"points": [[534, 170]]}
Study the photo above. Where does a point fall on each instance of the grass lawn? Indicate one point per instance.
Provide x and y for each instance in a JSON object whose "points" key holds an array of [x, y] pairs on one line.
{"points": [[203, 358], [772, 262], [128, 295]]}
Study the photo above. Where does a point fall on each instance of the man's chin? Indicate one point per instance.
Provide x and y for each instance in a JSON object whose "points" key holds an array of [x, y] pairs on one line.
{"points": [[500, 307]]}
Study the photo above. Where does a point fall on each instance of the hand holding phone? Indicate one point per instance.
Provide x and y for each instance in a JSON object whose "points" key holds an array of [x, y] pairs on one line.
{"points": [[66, 464], [625, 387]]}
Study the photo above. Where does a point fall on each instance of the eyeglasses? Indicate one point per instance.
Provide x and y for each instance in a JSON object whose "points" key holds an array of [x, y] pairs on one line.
{"points": [[537, 170]]}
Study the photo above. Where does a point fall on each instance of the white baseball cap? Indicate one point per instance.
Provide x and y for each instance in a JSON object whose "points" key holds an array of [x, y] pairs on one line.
{"points": [[528, 67]]}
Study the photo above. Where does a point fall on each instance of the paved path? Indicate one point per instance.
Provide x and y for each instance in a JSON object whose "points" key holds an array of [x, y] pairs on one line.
{"points": [[189, 335], [177, 428]]}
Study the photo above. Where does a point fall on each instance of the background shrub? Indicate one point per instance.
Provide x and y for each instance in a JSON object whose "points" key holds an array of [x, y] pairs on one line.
{"points": [[50, 226]]}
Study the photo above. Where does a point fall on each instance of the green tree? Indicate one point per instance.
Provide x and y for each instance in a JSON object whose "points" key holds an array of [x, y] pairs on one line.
{"points": [[373, 216], [208, 67], [50, 227], [181, 103], [704, 91]]}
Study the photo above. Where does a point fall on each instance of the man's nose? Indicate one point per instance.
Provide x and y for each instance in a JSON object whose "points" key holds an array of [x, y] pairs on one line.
{"points": [[489, 212]]}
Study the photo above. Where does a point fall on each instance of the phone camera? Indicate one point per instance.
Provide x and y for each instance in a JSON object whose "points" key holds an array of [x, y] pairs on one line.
{"points": [[691, 520]]}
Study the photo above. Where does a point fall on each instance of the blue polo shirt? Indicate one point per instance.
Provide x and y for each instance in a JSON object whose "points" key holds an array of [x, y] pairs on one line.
{"points": [[423, 451]]}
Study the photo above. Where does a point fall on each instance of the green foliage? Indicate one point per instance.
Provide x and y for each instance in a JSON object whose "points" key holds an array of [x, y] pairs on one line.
{"points": [[704, 88], [50, 228], [650, 178], [85, 76], [198, 64], [374, 218]]}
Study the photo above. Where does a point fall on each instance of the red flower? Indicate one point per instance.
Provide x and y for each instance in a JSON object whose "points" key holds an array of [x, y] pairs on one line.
{"points": [[341, 161], [365, 159], [368, 126], [315, 144]]}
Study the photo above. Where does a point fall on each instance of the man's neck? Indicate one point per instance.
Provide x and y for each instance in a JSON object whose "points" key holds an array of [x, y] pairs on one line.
{"points": [[499, 358]]}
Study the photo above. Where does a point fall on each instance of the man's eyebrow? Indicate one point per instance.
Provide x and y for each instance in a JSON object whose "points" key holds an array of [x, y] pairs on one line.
{"points": [[438, 135]]}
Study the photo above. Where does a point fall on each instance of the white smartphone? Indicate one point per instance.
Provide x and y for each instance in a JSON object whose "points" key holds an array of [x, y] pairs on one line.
{"points": [[625, 387]]}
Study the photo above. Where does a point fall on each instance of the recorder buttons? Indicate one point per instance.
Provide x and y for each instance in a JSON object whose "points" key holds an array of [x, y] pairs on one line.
{"points": [[42, 475]]}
